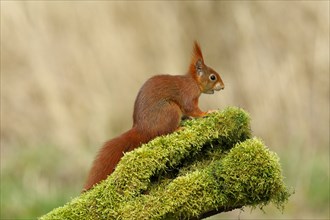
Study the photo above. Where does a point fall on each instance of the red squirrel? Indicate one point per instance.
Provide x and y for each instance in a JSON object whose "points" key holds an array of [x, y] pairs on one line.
{"points": [[159, 106]]}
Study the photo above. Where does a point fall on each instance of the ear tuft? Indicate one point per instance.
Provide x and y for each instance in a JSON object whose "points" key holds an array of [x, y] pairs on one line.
{"points": [[197, 59], [197, 52]]}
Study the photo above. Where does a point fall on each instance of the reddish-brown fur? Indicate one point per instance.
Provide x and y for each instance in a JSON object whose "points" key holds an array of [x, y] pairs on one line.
{"points": [[158, 108]]}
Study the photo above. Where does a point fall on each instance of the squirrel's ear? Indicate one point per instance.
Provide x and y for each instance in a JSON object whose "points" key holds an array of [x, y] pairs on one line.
{"points": [[197, 60]]}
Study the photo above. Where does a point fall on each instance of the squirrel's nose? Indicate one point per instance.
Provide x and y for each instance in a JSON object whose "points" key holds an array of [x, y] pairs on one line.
{"points": [[219, 86]]}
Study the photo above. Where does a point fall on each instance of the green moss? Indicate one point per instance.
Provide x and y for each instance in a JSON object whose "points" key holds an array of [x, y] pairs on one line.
{"points": [[251, 175], [185, 174], [248, 175]]}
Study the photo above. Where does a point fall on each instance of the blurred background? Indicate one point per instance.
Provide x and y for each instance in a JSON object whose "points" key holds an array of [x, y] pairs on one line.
{"points": [[70, 72]]}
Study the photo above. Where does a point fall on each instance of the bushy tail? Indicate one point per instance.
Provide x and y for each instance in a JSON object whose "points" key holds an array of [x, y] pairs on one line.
{"points": [[110, 154]]}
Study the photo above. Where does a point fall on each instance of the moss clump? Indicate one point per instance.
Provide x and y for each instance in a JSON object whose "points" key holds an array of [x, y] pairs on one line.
{"points": [[251, 175], [248, 175], [186, 174]]}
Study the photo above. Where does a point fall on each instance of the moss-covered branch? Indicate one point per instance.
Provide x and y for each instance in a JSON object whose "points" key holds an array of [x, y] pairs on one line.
{"points": [[248, 175], [186, 174]]}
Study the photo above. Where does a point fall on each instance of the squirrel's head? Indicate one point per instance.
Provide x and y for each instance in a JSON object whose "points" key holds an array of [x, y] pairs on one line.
{"points": [[207, 79]]}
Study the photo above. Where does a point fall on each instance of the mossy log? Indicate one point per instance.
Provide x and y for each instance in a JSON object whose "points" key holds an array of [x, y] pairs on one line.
{"points": [[210, 165]]}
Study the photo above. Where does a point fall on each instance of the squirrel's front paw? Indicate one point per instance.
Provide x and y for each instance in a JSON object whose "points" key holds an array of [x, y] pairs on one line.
{"points": [[211, 111]]}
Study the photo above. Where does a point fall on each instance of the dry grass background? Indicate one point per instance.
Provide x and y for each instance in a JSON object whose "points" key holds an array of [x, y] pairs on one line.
{"points": [[70, 71]]}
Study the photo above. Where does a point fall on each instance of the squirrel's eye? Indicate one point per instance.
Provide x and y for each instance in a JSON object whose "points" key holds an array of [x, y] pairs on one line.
{"points": [[213, 77]]}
